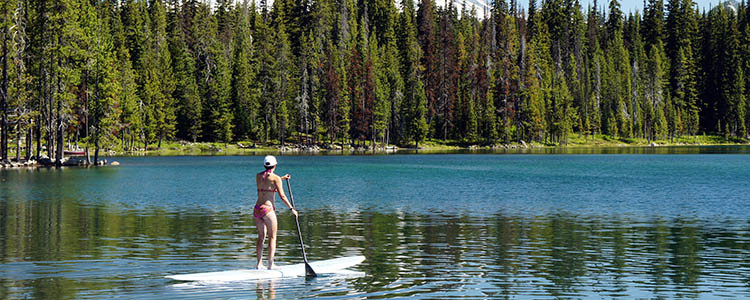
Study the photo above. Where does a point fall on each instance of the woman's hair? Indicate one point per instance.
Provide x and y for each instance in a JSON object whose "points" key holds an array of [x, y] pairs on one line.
{"points": [[267, 171]]}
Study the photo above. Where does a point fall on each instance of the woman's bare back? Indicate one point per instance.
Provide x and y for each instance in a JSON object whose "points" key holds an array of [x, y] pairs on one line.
{"points": [[267, 188]]}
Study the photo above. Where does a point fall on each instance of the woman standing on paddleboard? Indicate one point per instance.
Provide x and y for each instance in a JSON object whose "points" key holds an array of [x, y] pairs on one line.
{"points": [[264, 212]]}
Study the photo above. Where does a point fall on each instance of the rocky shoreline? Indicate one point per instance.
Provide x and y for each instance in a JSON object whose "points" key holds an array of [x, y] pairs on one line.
{"points": [[73, 161]]}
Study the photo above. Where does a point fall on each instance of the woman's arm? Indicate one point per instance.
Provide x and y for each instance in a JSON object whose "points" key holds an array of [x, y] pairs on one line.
{"points": [[280, 188]]}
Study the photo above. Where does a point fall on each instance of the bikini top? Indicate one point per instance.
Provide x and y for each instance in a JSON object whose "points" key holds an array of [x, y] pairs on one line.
{"points": [[270, 191]]}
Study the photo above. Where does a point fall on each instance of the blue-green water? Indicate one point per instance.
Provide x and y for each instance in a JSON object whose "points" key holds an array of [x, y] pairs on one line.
{"points": [[431, 226]]}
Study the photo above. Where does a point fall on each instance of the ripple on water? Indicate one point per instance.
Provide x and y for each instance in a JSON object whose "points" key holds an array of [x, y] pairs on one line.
{"points": [[472, 227]]}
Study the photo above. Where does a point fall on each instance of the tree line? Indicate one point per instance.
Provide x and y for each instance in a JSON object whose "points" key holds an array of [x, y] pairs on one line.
{"points": [[132, 74]]}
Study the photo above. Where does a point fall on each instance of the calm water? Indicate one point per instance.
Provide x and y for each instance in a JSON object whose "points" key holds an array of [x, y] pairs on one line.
{"points": [[431, 226]]}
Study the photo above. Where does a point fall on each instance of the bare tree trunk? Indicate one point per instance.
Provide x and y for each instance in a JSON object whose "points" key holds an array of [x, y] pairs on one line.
{"points": [[60, 138], [96, 147], [59, 126], [86, 115], [29, 138], [4, 130], [18, 143], [50, 130], [42, 95]]}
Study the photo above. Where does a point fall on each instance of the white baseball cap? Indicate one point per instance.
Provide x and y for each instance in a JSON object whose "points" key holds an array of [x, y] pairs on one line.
{"points": [[269, 161]]}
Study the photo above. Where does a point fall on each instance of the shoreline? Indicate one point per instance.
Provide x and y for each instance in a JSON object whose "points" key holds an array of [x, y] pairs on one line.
{"points": [[577, 144]]}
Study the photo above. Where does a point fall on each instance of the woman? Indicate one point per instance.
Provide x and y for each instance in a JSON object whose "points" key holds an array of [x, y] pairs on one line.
{"points": [[265, 216]]}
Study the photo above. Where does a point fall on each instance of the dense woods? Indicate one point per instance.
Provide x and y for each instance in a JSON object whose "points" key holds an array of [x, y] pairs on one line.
{"points": [[133, 74]]}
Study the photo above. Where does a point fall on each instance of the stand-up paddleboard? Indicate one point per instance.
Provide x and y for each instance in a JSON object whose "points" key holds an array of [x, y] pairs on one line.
{"points": [[297, 270]]}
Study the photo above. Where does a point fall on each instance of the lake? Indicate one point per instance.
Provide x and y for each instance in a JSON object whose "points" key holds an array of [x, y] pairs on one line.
{"points": [[431, 226]]}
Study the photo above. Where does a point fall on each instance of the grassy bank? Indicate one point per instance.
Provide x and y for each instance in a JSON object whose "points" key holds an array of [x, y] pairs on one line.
{"points": [[574, 141], [609, 141]]}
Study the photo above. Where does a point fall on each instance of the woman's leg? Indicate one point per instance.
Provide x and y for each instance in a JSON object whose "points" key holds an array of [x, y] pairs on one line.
{"points": [[261, 225], [271, 225]]}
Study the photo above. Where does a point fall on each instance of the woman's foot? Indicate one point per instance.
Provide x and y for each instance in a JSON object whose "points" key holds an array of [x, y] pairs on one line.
{"points": [[273, 267], [260, 266]]}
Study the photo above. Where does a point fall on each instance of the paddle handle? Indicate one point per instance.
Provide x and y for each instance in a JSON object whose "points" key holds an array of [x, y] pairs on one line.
{"points": [[296, 220]]}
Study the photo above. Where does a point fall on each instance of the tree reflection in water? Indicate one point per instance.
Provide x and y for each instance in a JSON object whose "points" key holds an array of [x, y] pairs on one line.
{"points": [[61, 246]]}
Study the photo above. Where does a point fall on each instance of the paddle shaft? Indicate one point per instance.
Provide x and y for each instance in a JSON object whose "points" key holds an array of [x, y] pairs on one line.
{"points": [[308, 270]]}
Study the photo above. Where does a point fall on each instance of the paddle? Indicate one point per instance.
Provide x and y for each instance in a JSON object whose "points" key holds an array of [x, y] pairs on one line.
{"points": [[309, 273]]}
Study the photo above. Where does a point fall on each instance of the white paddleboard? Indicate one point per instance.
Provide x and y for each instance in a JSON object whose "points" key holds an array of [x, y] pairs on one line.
{"points": [[297, 270]]}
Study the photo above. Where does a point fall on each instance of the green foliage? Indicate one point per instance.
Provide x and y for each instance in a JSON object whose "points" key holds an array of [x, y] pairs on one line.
{"points": [[246, 95], [186, 93], [140, 73]]}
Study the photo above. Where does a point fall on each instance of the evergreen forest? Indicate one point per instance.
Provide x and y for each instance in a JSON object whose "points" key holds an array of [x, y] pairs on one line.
{"points": [[134, 74]]}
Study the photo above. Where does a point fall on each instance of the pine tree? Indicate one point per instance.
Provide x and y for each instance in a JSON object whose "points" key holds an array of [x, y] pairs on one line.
{"points": [[638, 80], [447, 73], [283, 82], [732, 79], [331, 84], [17, 96], [652, 28], [138, 38], [467, 40], [681, 28], [245, 94], [186, 94], [106, 90], [356, 85], [532, 111], [322, 24], [414, 105], [485, 82], [394, 81], [507, 73], [215, 75], [388, 82], [532, 20], [130, 121], [617, 83], [67, 37], [545, 73], [427, 36], [305, 90], [562, 119], [160, 76], [656, 95]]}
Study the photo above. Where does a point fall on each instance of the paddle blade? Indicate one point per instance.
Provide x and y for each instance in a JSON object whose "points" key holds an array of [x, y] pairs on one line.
{"points": [[309, 273]]}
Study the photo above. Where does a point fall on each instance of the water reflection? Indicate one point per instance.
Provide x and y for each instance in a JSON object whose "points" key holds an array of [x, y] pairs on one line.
{"points": [[63, 248], [684, 149], [266, 289]]}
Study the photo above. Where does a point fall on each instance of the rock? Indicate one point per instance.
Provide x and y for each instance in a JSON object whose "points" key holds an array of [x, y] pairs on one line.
{"points": [[46, 161], [311, 148], [115, 163], [524, 144], [652, 145]]}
